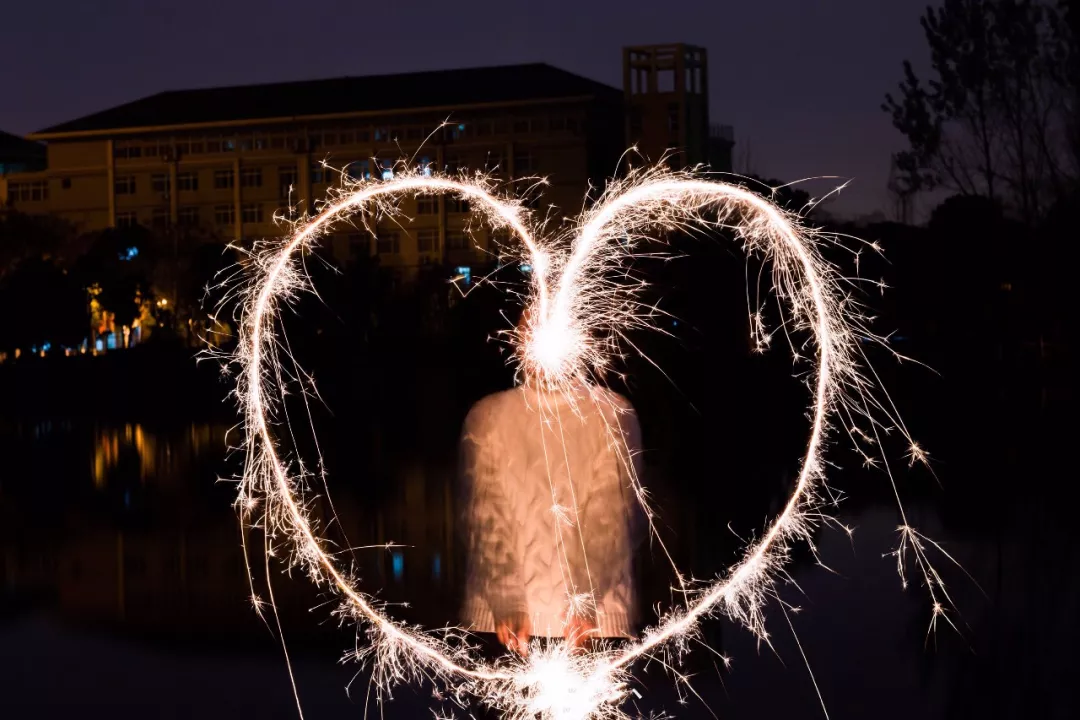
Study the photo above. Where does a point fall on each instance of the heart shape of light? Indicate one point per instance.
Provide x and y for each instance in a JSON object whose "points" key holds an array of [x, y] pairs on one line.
{"points": [[577, 317]]}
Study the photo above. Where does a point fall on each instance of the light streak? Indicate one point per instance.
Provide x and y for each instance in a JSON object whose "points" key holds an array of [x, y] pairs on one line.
{"points": [[583, 303]]}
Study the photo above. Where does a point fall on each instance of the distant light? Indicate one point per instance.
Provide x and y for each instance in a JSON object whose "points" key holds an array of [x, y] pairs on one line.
{"points": [[129, 254], [99, 345], [526, 268], [461, 126], [397, 561], [465, 273], [46, 347]]}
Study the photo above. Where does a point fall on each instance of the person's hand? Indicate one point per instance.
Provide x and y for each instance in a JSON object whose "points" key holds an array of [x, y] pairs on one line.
{"points": [[579, 631], [514, 632]]}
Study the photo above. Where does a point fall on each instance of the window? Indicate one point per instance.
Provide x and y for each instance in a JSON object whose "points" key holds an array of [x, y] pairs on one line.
{"points": [[455, 240], [320, 173], [484, 128], [224, 215], [251, 213], [453, 163], [188, 216], [347, 138], [388, 243], [151, 151], [665, 81], [572, 124], [197, 147], [673, 118], [414, 132], [287, 178], [223, 179], [427, 204], [256, 143], [213, 146], [387, 169], [427, 240], [557, 124], [330, 138], [363, 135], [457, 205], [122, 152], [521, 126], [251, 177], [127, 219], [28, 191], [125, 185], [360, 170], [635, 122], [523, 164], [277, 142], [159, 218], [494, 163], [65, 183], [425, 166], [187, 181], [381, 134], [228, 145], [159, 183], [454, 132]]}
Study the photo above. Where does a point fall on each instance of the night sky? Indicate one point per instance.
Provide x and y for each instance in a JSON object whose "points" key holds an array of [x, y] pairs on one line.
{"points": [[801, 81]]}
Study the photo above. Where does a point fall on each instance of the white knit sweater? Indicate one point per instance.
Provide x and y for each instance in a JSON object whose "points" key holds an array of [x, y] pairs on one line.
{"points": [[529, 457]]}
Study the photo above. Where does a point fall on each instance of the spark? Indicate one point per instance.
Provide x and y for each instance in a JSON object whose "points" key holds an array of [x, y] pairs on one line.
{"points": [[583, 303]]}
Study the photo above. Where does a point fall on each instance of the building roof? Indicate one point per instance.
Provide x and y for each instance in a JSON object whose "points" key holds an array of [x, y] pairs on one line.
{"points": [[13, 147], [372, 93]]}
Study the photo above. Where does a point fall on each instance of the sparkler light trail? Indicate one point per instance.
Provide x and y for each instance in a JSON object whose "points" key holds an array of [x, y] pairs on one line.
{"points": [[582, 304]]}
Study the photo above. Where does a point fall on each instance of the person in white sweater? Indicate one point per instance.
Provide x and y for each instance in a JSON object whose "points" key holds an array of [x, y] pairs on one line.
{"points": [[551, 518]]}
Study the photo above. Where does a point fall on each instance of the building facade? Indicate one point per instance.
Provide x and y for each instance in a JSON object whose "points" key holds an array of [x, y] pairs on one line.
{"points": [[230, 160]]}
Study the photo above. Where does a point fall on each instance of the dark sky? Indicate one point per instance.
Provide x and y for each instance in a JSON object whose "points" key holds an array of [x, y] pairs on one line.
{"points": [[801, 80]]}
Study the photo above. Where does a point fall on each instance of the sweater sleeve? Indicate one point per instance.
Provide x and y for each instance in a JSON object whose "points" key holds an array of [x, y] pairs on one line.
{"points": [[609, 514], [493, 563]]}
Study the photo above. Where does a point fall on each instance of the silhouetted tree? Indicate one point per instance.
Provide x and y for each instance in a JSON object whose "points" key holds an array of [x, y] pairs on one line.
{"points": [[120, 262], [43, 304], [991, 120]]}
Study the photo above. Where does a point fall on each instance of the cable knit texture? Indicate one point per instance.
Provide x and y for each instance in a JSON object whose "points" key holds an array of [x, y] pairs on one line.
{"points": [[549, 509]]}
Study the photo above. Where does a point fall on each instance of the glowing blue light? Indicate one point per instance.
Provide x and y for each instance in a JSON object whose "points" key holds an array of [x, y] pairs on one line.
{"points": [[397, 562], [99, 345], [461, 126], [464, 272], [110, 342], [47, 347], [526, 268], [425, 163], [129, 254], [436, 566]]}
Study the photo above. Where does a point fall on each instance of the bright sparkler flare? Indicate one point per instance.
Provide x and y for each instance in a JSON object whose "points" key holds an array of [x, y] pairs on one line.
{"points": [[580, 308]]}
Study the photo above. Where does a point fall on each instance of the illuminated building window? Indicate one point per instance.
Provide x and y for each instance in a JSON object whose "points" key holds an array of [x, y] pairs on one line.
{"points": [[427, 240], [425, 166], [397, 562], [125, 185], [436, 566], [224, 179], [127, 219], [228, 145], [453, 163], [388, 243], [387, 169], [188, 216], [360, 170], [457, 205], [464, 272], [159, 183], [382, 134], [187, 181], [427, 204], [251, 213], [224, 215], [251, 177]]}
